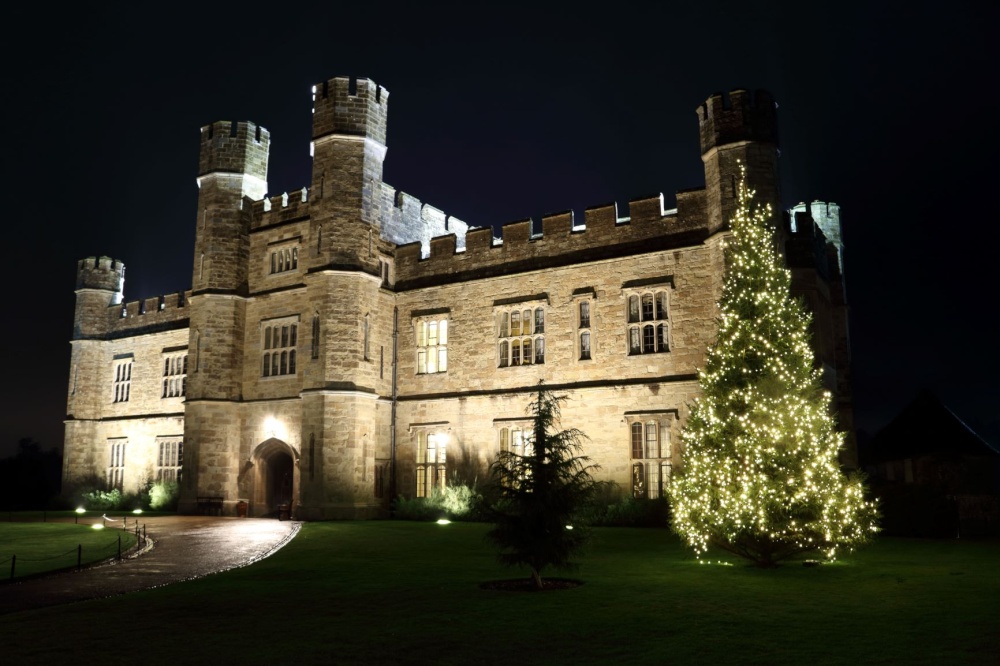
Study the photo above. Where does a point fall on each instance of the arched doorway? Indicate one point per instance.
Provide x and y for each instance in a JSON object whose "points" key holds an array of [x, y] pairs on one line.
{"points": [[274, 481]]}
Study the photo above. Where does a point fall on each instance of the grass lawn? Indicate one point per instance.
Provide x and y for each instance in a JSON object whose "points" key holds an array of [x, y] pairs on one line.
{"points": [[390, 592], [42, 547]]}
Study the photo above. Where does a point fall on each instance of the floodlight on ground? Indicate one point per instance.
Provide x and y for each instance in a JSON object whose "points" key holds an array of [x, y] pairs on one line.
{"points": [[443, 521], [97, 526], [136, 511], [80, 509]]}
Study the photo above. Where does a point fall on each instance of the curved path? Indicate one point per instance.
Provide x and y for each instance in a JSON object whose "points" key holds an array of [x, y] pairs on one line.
{"points": [[183, 547]]}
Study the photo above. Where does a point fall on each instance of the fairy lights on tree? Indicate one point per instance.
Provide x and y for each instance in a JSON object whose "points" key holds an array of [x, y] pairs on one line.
{"points": [[761, 477]]}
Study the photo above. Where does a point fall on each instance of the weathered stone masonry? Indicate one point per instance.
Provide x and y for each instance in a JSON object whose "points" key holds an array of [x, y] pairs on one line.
{"points": [[345, 343]]}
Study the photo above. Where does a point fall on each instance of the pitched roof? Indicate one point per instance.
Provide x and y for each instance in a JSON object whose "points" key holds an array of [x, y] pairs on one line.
{"points": [[927, 427]]}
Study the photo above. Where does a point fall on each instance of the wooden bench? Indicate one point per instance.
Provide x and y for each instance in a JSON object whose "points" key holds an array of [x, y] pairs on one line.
{"points": [[210, 505]]}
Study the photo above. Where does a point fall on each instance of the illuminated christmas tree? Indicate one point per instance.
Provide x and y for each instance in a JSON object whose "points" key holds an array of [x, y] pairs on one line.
{"points": [[761, 477]]}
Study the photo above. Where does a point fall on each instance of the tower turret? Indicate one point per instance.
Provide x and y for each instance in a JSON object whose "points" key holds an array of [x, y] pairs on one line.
{"points": [[348, 147], [737, 128], [100, 283], [232, 164]]}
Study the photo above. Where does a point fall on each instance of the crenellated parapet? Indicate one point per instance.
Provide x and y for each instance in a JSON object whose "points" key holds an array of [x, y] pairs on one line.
{"points": [[406, 220], [738, 116], [279, 209], [826, 215], [102, 273], [350, 106], [558, 239], [234, 147]]}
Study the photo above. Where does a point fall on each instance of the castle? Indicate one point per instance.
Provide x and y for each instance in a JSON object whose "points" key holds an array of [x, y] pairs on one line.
{"points": [[345, 344]]}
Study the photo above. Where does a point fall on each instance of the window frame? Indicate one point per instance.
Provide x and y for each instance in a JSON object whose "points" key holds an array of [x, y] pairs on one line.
{"points": [[282, 258], [647, 319], [121, 379], [169, 458], [430, 474], [174, 380], [279, 343], [518, 327], [650, 453], [431, 334], [116, 462]]}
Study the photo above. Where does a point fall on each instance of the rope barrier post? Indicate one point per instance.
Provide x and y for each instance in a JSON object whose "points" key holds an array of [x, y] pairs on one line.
{"points": [[79, 556], [13, 561], [119, 546]]}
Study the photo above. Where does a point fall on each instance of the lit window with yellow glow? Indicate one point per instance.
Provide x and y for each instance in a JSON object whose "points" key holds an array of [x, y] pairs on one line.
{"points": [[432, 346], [431, 463], [520, 336]]}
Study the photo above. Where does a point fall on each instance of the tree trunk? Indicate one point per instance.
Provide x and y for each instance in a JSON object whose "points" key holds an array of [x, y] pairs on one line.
{"points": [[536, 577]]}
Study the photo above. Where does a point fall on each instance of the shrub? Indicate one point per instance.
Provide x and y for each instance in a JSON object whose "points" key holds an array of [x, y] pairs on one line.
{"points": [[455, 502], [163, 496], [611, 507]]}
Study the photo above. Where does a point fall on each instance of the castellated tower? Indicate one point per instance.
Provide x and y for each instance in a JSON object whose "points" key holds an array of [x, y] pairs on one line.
{"points": [[348, 147], [232, 171], [734, 129], [100, 283], [344, 424]]}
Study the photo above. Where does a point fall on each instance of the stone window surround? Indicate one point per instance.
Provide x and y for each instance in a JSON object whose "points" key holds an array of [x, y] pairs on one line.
{"points": [[282, 256], [503, 315], [431, 331], [122, 377], [175, 368], [169, 457], [647, 332], [583, 331], [270, 352], [116, 462], [431, 461], [650, 450]]}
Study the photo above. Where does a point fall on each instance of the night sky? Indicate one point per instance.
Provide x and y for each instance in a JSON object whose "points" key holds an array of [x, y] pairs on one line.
{"points": [[500, 113]]}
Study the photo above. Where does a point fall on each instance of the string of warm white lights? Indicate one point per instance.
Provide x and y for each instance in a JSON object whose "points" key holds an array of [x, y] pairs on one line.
{"points": [[761, 477]]}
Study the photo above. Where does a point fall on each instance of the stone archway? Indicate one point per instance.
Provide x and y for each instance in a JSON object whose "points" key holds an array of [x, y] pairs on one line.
{"points": [[275, 478]]}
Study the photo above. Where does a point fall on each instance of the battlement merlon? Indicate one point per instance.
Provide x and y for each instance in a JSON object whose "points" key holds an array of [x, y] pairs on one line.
{"points": [[738, 116], [649, 226], [234, 148], [350, 106], [103, 273]]}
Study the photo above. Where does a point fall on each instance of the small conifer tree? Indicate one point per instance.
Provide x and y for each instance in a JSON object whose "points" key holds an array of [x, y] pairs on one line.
{"points": [[537, 491], [761, 477]]}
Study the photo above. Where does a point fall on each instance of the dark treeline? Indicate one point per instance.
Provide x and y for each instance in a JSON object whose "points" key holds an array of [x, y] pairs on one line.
{"points": [[31, 478]]}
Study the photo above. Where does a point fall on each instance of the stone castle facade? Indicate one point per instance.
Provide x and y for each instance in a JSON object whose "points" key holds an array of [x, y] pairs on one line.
{"points": [[345, 344]]}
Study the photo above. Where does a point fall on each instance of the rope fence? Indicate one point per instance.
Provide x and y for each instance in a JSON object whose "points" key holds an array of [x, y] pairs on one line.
{"points": [[111, 550]]}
